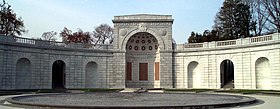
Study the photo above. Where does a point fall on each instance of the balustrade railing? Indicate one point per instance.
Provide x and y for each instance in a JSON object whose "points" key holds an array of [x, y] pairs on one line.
{"points": [[193, 45], [44, 43], [237, 42], [24, 40], [261, 38], [225, 43]]}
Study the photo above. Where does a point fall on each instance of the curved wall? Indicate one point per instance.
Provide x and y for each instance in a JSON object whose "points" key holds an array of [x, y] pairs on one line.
{"points": [[27, 64], [187, 66], [244, 53]]}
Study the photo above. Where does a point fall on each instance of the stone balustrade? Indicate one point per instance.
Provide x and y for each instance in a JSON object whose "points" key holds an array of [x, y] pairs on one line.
{"points": [[45, 43], [213, 44], [231, 43]]}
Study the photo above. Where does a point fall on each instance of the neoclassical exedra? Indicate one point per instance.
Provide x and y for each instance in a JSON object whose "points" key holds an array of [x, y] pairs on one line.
{"points": [[142, 55]]}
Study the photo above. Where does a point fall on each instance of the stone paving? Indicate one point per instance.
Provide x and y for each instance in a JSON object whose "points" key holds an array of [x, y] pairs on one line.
{"points": [[132, 100], [267, 102]]}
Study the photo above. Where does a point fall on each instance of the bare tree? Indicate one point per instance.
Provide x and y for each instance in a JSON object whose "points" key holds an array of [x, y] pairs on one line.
{"points": [[50, 36], [260, 17], [266, 14], [272, 8], [103, 35]]}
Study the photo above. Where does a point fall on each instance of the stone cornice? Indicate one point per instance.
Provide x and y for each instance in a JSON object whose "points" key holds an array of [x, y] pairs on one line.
{"points": [[142, 20]]}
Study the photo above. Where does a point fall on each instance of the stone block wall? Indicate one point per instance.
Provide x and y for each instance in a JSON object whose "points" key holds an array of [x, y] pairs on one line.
{"points": [[42, 60], [243, 54]]}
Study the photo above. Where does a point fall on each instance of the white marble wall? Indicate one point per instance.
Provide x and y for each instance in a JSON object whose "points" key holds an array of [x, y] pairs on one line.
{"points": [[243, 54], [256, 60]]}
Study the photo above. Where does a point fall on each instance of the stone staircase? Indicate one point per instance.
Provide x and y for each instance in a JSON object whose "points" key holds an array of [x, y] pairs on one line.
{"points": [[130, 89], [141, 90]]}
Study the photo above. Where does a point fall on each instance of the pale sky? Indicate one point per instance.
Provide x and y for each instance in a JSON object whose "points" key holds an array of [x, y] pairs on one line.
{"points": [[53, 15]]}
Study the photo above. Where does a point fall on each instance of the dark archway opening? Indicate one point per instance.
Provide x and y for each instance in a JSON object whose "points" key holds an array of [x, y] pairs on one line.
{"points": [[58, 75], [227, 74]]}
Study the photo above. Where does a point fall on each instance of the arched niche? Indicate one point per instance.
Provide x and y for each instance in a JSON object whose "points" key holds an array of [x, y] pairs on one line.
{"points": [[91, 76], [23, 74], [263, 73], [194, 76]]}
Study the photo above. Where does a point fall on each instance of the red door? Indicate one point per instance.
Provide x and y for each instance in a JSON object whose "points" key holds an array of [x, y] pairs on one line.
{"points": [[157, 71], [128, 71], [143, 71]]}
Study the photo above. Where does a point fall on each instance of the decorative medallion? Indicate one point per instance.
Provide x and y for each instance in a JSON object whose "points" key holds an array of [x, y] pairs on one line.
{"points": [[149, 41], [123, 32], [137, 41], [143, 41], [130, 47], [156, 47], [162, 32]]}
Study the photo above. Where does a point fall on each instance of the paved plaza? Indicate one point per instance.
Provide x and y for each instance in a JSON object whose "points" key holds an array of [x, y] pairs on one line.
{"points": [[265, 101], [132, 100]]}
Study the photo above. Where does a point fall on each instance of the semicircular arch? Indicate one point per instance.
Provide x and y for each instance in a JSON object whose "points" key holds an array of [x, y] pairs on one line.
{"points": [[152, 32]]}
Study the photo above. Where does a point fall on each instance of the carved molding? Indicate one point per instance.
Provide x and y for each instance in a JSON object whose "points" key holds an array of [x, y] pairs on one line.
{"points": [[142, 27], [146, 24]]}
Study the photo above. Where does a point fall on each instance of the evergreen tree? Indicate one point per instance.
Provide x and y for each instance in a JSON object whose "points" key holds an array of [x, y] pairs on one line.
{"points": [[234, 20], [191, 38]]}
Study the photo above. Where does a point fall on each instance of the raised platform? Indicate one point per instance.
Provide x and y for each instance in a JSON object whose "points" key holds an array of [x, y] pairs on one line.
{"points": [[132, 100]]}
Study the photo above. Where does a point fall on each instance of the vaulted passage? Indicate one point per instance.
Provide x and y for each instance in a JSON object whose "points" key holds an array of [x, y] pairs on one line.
{"points": [[23, 74], [58, 75], [263, 79], [227, 74]]}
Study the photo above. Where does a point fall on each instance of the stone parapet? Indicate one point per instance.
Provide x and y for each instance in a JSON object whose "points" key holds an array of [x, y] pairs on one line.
{"points": [[143, 17], [242, 42]]}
